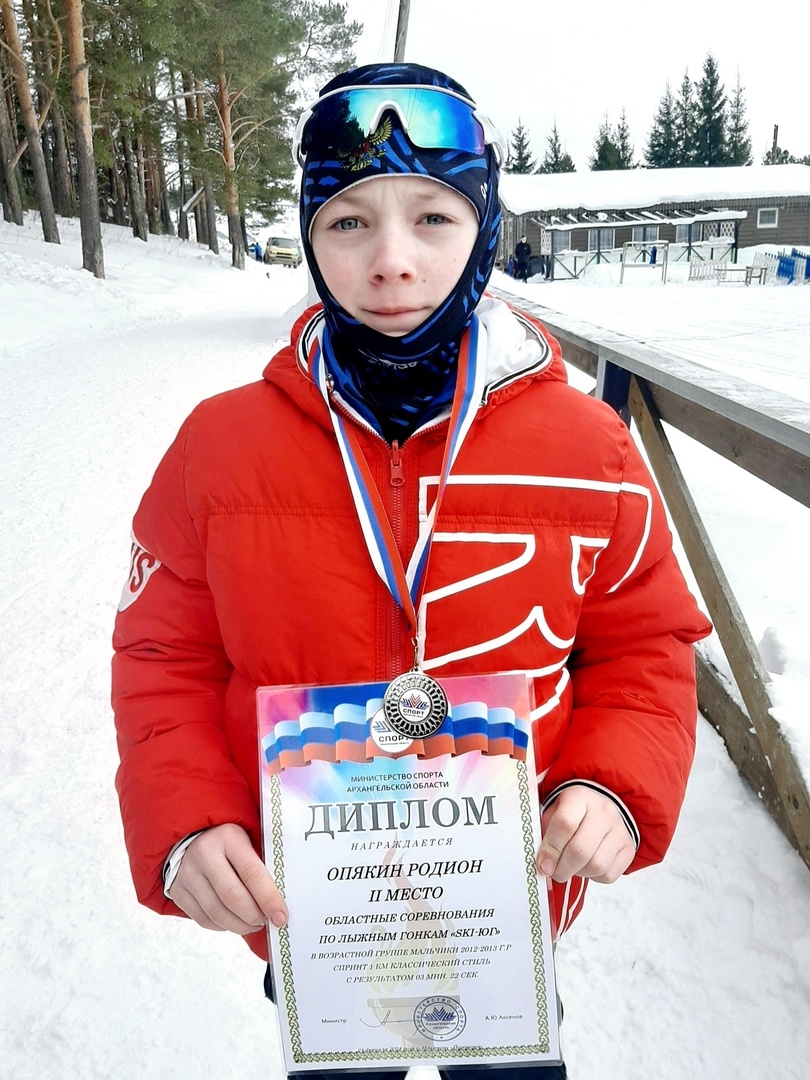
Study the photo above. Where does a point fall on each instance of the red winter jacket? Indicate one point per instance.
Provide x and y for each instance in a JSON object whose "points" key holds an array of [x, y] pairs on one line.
{"points": [[551, 555]]}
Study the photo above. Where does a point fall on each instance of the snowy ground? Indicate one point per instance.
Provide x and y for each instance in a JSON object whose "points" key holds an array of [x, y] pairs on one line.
{"points": [[697, 968]]}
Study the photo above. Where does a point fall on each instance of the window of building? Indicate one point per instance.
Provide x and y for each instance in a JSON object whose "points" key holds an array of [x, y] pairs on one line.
{"points": [[767, 217], [561, 240], [644, 232], [682, 233], [603, 242]]}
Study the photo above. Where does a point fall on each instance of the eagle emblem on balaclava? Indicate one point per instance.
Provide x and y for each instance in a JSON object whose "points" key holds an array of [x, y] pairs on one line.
{"points": [[360, 157]]}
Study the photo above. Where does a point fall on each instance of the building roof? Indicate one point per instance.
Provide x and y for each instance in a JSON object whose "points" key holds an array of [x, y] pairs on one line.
{"points": [[623, 189], [601, 219]]}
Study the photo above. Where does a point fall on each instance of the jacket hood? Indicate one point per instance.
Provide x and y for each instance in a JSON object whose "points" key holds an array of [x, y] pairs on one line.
{"points": [[516, 348]]}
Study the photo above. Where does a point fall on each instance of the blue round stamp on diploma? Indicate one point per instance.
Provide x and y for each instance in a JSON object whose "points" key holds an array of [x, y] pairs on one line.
{"points": [[439, 1018]]}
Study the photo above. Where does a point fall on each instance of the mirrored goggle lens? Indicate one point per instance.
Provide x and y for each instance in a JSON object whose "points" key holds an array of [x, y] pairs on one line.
{"points": [[431, 118]]}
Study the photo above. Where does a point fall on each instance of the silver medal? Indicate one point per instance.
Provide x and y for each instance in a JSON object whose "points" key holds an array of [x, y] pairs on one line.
{"points": [[415, 705]]}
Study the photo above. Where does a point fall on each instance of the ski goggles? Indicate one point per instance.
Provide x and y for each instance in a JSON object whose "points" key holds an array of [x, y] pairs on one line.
{"points": [[433, 118]]}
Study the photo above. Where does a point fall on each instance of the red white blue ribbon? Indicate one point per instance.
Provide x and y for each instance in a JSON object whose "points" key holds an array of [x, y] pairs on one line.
{"points": [[406, 586]]}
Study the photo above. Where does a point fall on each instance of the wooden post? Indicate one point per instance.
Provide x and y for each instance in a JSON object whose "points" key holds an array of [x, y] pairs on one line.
{"points": [[402, 31]]}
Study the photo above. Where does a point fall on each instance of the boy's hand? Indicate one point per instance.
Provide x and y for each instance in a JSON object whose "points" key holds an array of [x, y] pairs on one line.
{"points": [[222, 884], [584, 834]]}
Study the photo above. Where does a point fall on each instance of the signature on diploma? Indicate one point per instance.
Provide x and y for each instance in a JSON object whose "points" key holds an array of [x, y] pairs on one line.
{"points": [[387, 1022]]}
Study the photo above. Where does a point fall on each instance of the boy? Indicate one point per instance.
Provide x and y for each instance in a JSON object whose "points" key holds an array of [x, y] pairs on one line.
{"points": [[258, 561]]}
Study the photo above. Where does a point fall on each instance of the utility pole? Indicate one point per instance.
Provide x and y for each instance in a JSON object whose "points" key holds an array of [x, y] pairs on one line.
{"points": [[402, 31]]}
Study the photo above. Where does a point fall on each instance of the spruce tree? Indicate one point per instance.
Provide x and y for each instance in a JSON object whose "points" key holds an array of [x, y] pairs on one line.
{"points": [[623, 145], [556, 160], [686, 123], [662, 143], [710, 129], [606, 154], [519, 159], [738, 141]]}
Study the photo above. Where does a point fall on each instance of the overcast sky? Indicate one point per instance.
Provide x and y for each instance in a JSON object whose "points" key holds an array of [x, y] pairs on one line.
{"points": [[523, 60]]}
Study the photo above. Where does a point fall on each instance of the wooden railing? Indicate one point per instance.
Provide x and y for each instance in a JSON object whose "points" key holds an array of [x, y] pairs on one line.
{"points": [[769, 436]]}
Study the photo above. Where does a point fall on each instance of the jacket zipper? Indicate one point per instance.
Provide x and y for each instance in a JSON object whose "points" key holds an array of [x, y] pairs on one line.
{"points": [[397, 481]]}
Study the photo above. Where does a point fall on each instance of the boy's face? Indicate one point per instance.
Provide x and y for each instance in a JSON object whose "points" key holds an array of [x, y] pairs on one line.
{"points": [[391, 249]]}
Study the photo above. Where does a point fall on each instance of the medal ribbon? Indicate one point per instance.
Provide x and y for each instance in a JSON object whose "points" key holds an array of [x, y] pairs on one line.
{"points": [[406, 586]]}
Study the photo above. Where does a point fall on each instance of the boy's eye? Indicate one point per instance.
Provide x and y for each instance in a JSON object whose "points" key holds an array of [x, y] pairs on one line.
{"points": [[347, 224], [435, 219]]}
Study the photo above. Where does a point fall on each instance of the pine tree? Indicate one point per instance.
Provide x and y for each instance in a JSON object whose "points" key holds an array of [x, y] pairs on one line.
{"points": [[686, 123], [92, 250], [606, 153], [623, 145], [10, 183], [187, 98], [36, 156], [710, 129], [662, 143], [556, 160], [248, 56], [739, 141], [519, 159]]}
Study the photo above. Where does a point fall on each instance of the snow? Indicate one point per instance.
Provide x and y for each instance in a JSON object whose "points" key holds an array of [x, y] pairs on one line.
{"points": [[626, 189], [699, 967]]}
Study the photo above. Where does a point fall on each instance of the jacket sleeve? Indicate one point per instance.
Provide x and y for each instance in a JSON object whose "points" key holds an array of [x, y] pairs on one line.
{"points": [[632, 728], [169, 678]]}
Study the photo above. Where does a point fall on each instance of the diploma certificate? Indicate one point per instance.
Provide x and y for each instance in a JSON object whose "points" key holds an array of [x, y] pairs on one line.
{"points": [[419, 930]]}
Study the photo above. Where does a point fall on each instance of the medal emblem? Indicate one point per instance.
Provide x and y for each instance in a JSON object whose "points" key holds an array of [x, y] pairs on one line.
{"points": [[415, 705], [384, 735]]}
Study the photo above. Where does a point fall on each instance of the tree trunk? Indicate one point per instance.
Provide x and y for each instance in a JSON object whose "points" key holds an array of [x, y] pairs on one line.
{"points": [[210, 213], [139, 224], [165, 223], [210, 205], [63, 192], [12, 203], [4, 201], [229, 160], [151, 186], [200, 224], [92, 249], [180, 143], [46, 37], [118, 190], [50, 230], [139, 149]]}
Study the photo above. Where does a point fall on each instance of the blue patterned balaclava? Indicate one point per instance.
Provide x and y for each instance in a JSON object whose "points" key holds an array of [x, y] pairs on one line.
{"points": [[399, 383]]}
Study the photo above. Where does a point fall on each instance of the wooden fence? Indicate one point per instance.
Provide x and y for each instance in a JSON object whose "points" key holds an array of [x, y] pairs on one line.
{"points": [[770, 438]]}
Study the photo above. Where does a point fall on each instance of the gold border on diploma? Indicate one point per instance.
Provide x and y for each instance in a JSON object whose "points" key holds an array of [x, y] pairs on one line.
{"points": [[444, 988]]}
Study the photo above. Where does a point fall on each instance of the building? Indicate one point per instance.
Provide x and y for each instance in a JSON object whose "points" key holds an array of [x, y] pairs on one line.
{"points": [[702, 213]]}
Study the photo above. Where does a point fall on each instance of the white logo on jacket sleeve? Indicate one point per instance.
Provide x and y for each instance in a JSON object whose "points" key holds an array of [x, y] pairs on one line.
{"points": [[141, 567]]}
